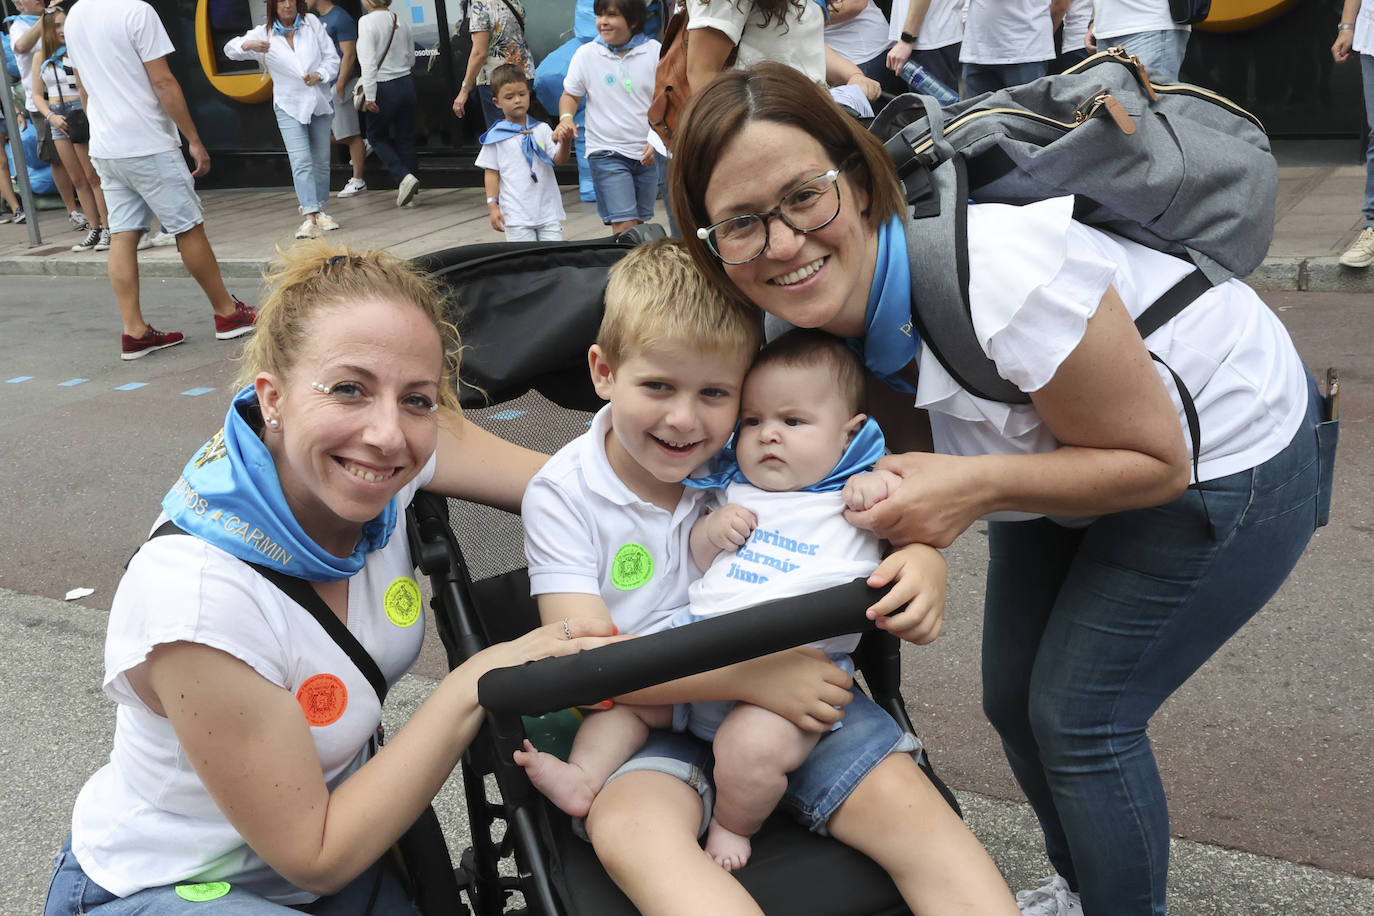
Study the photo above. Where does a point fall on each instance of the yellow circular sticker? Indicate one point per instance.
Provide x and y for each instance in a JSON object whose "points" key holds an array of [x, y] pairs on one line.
{"points": [[402, 602], [199, 893], [632, 567]]}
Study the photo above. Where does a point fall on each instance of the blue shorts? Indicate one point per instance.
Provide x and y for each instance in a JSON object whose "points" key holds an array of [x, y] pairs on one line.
{"points": [[61, 108], [841, 760], [625, 188], [142, 187]]}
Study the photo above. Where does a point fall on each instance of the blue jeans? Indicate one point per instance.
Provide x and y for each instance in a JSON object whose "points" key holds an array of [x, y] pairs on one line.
{"points": [[391, 129], [625, 188], [71, 893], [307, 148], [1087, 631], [980, 78], [1161, 51], [1367, 71]]}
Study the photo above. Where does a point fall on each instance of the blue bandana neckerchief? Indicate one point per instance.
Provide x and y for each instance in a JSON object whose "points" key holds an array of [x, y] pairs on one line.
{"points": [[635, 41], [863, 452], [283, 30], [56, 60], [229, 495], [890, 340], [532, 148]]}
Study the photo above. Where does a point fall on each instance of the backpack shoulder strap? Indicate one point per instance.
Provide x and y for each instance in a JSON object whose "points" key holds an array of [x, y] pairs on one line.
{"points": [[301, 592]]}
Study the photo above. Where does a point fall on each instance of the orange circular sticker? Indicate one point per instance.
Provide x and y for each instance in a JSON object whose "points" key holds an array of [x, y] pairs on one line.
{"points": [[323, 698]]}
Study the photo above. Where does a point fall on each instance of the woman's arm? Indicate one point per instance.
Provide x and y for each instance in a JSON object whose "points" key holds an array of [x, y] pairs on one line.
{"points": [[252, 45], [252, 749], [481, 41], [367, 53], [476, 465], [1121, 448], [40, 100], [841, 71], [707, 52]]}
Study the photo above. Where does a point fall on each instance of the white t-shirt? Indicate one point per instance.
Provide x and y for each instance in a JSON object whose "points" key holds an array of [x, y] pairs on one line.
{"points": [[1125, 17], [1364, 29], [802, 544], [586, 533], [617, 116], [942, 26], [524, 201], [1076, 21], [862, 38], [25, 61], [1008, 32], [1031, 302], [796, 41], [145, 819], [59, 82], [287, 64], [374, 31], [110, 41], [1112, 18]]}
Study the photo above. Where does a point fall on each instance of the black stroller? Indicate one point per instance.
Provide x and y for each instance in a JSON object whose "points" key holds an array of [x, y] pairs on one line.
{"points": [[527, 313]]}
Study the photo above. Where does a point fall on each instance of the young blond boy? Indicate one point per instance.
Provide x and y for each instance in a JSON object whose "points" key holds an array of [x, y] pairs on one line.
{"points": [[608, 533], [519, 154]]}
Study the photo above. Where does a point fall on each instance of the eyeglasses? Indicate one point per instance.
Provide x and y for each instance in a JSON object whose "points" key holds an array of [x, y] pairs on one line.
{"points": [[810, 206]]}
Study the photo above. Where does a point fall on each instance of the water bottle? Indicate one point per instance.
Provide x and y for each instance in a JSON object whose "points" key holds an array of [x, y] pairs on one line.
{"points": [[920, 80]]}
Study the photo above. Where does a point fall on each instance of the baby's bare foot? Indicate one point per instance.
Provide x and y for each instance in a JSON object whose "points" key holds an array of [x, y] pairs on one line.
{"points": [[564, 784], [726, 848]]}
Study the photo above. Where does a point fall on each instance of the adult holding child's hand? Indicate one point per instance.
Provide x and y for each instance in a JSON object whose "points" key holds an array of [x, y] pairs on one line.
{"points": [[1110, 579], [244, 767]]}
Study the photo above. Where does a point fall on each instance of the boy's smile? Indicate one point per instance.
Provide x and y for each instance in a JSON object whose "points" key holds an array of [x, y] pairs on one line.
{"points": [[672, 408]]}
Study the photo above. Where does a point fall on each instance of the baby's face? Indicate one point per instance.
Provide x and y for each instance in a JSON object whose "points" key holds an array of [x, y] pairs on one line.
{"points": [[794, 426]]}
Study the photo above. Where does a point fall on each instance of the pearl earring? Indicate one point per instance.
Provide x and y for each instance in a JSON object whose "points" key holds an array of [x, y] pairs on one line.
{"points": [[273, 422]]}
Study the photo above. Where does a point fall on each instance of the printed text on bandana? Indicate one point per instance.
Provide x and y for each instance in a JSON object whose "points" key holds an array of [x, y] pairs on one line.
{"points": [[250, 534], [755, 564]]}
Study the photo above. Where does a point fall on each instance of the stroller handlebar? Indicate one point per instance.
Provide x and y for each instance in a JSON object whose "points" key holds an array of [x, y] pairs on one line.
{"points": [[586, 678]]}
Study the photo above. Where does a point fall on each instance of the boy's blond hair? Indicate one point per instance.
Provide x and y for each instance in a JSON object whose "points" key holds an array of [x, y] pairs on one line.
{"points": [[656, 296]]}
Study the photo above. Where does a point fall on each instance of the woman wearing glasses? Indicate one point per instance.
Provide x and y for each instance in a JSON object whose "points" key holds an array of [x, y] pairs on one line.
{"points": [[1109, 582]]}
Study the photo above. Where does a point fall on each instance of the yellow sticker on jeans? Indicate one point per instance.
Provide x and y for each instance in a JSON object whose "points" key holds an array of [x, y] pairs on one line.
{"points": [[632, 567], [402, 602], [199, 893]]}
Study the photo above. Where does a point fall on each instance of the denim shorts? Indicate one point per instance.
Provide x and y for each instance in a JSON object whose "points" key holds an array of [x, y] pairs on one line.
{"points": [[72, 893], [139, 188], [625, 188], [61, 108], [840, 761]]}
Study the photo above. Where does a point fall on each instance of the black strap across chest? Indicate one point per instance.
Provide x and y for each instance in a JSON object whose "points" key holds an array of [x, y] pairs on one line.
{"points": [[304, 594]]}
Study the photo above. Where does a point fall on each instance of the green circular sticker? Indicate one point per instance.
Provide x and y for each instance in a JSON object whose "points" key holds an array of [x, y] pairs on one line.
{"points": [[402, 601], [199, 893], [632, 567]]}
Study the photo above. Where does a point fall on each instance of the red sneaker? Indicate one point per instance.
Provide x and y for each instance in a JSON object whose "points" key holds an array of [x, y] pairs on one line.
{"points": [[242, 321], [152, 339]]}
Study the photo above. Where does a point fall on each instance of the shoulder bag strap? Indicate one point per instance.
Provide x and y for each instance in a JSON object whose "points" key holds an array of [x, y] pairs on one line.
{"points": [[389, 39], [301, 592], [518, 18]]}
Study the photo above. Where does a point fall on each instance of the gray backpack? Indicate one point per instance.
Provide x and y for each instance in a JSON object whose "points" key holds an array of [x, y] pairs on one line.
{"points": [[1176, 168]]}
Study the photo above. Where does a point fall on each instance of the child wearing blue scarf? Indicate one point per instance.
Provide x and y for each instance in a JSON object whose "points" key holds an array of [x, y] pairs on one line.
{"points": [[615, 74], [519, 154], [801, 455]]}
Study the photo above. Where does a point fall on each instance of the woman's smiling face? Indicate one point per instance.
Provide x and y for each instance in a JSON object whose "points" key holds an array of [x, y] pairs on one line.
{"points": [[819, 279]]}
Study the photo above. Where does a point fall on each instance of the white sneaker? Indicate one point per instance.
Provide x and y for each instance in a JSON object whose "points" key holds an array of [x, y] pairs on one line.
{"points": [[354, 186], [78, 221], [409, 185], [1361, 252], [156, 240], [1053, 898], [308, 230], [326, 222]]}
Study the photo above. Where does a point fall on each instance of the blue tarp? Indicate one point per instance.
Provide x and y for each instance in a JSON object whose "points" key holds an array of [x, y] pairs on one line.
{"points": [[40, 176]]}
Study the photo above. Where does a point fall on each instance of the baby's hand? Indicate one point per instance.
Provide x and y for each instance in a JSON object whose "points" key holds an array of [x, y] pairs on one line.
{"points": [[729, 527], [866, 490], [914, 609]]}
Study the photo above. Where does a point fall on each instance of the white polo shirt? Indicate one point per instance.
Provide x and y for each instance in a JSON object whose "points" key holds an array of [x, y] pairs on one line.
{"points": [[586, 533], [618, 91]]}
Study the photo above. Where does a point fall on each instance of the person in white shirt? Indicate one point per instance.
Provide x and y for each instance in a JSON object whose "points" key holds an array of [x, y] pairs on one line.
{"points": [[1073, 35], [386, 52], [1008, 42], [26, 37], [1145, 29], [135, 107], [929, 32], [517, 158], [300, 57], [1355, 32]]}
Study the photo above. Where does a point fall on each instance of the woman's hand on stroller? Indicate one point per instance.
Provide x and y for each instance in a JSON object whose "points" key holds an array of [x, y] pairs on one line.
{"points": [[914, 609], [563, 637]]}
